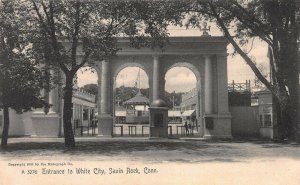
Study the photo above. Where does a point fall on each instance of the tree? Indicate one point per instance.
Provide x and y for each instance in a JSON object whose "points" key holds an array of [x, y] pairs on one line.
{"points": [[170, 97], [92, 89], [274, 22], [91, 28], [20, 80]]}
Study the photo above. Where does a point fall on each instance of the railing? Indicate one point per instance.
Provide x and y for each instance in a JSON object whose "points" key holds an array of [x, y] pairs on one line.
{"points": [[186, 132], [239, 87], [84, 95], [137, 119], [135, 113], [144, 131], [80, 130]]}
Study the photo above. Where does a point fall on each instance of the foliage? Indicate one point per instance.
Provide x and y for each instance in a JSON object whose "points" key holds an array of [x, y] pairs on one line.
{"points": [[20, 79], [169, 97], [274, 22], [91, 88], [20, 84]]}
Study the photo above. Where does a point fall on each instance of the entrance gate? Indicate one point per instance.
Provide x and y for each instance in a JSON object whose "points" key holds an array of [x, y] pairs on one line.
{"points": [[205, 56]]}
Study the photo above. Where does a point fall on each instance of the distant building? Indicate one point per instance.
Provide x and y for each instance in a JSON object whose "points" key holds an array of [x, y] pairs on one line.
{"points": [[265, 114], [137, 109], [188, 107], [84, 109]]}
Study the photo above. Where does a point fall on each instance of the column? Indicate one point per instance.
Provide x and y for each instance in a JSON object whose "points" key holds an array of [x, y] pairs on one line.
{"points": [[81, 115], [89, 119], [98, 68], [105, 119], [198, 109], [217, 119], [105, 88], [52, 98], [156, 72], [43, 94], [99, 95], [208, 85], [222, 83]]}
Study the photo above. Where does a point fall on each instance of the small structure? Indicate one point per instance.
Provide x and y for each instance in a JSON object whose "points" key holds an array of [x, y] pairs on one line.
{"points": [[120, 116], [137, 109], [175, 117], [265, 114], [84, 110], [158, 119]]}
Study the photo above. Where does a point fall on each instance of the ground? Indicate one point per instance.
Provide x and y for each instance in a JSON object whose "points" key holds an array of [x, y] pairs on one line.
{"points": [[145, 150], [168, 161]]}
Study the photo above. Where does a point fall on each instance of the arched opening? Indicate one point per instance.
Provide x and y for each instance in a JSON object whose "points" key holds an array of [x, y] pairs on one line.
{"points": [[85, 102], [131, 102], [182, 86]]}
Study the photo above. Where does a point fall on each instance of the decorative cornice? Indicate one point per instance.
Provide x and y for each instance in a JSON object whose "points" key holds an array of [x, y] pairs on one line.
{"points": [[178, 46]]}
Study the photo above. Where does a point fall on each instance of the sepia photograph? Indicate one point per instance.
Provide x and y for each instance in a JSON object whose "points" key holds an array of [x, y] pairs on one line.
{"points": [[195, 92]]}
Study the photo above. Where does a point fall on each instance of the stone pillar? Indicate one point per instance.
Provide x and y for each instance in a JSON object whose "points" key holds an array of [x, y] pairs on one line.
{"points": [[105, 123], [99, 96], [162, 83], [198, 110], [222, 83], [81, 115], [156, 75], [43, 94], [98, 68], [218, 119], [105, 88], [52, 102], [208, 94], [89, 117]]}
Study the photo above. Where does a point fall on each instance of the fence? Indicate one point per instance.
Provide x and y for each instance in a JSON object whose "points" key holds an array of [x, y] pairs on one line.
{"points": [[244, 121]]}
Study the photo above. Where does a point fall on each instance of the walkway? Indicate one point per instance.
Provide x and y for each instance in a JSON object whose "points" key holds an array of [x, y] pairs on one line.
{"points": [[143, 161], [190, 150]]}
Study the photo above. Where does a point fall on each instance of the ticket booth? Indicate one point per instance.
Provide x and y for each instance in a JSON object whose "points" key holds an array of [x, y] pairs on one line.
{"points": [[265, 114]]}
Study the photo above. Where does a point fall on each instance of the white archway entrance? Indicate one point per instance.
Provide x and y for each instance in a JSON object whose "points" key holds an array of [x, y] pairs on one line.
{"points": [[205, 56]]}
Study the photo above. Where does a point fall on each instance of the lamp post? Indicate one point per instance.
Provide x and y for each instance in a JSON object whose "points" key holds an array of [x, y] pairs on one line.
{"points": [[173, 103]]}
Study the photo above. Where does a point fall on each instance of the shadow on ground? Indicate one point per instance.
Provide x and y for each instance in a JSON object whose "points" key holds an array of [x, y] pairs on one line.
{"points": [[181, 151]]}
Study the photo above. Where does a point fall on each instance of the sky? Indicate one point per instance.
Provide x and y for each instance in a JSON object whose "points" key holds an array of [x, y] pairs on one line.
{"points": [[180, 79]]}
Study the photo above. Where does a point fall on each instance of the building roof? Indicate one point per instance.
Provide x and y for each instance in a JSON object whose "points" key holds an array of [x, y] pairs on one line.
{"points": [[139, 99], [120, 113], [188, 112], [174, 113]]}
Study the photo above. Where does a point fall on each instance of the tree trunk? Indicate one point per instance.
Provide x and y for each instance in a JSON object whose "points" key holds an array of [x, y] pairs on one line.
{"points": [[278, 124], [5, 128], [67, 113]]}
